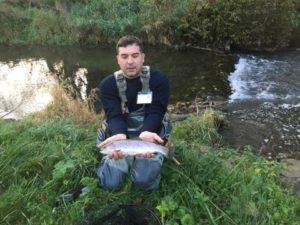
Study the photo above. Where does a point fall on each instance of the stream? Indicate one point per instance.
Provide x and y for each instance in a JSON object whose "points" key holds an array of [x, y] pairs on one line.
{"points": [[264, 106]]}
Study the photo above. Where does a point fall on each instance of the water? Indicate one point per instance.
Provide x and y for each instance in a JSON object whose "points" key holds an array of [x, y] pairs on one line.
{"points": [[191, 73], [273, 78], [265, 104], [263, 90]]}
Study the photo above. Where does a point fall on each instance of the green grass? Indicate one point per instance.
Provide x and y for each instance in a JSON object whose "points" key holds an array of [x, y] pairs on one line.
{"points": [[41, 160]]}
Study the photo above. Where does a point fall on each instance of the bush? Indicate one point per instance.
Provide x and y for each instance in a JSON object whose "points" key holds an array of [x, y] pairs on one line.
{"points": [[13, 23], [104, 21], [244, 24], [199, 130], [49, 27]]}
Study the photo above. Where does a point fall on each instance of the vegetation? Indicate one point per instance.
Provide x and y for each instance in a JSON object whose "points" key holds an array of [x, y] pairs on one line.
{"points": [[220, 24], [42, 157]]}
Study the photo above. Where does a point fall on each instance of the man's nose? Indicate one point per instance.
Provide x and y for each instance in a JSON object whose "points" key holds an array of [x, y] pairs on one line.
{"points": [[129, 60]]}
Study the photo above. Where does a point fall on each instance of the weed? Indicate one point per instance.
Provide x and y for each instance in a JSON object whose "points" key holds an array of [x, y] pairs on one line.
{"points": [[199, 130], [65, 106]]}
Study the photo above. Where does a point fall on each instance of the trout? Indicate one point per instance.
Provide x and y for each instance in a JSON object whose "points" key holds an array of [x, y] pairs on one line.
{"points": [[133, 147]]}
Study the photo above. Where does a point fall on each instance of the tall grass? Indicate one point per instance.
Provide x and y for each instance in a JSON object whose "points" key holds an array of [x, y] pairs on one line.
{"points": [[65, 106], [41, 160]]}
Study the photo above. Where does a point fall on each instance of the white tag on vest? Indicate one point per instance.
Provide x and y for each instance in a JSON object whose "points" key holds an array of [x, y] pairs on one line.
{"points": [[144, 98]]}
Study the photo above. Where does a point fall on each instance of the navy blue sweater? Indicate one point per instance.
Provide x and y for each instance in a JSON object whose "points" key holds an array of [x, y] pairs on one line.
{"points": [[154, 112]]}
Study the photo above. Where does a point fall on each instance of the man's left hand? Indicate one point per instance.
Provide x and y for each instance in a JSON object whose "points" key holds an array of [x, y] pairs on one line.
{"points": [[151, 137]]}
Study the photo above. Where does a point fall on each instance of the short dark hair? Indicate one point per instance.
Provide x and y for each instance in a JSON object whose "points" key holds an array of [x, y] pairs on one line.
{"points": [[129, 40]]}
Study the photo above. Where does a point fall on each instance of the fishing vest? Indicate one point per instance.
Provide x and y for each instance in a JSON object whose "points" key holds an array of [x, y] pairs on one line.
{"points": [[122, 86], [134, 119]]}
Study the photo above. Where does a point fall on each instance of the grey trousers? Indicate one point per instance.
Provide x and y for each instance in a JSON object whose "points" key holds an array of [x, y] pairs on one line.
{"points": [[144, 172]]}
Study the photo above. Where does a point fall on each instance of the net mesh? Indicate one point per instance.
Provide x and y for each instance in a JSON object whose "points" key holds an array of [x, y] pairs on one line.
{"points": [[130, 215]]}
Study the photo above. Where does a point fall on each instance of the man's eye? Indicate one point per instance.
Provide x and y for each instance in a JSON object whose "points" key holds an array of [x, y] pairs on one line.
{"points": [[135, 55], [124, 56]]}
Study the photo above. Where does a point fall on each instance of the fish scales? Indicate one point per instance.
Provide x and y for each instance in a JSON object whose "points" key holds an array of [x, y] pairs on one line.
{"points": [[133, 147]]}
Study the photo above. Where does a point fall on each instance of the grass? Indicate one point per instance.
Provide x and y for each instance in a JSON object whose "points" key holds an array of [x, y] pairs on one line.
{"points": [[67, 107], [41, 159]]}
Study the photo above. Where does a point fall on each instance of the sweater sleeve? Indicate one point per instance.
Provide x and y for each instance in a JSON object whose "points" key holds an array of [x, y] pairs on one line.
{"points": [[159, 85], [111, 103]]}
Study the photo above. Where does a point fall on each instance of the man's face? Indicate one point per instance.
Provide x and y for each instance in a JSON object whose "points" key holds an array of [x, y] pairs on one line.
{"points": [[130, 60]]}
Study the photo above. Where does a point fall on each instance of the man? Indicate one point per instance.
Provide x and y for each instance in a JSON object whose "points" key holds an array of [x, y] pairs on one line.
{"points": [[134, 100]]}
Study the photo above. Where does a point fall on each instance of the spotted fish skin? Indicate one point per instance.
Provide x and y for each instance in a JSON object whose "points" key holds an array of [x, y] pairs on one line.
{"points": [[133, 147]]}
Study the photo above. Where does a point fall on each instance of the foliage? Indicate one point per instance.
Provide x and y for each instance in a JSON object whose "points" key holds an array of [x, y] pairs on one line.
{"points": [[33, 169], [105, 20], [40, 161], [296, 15], [160, 20], [197, 130], [175, 214], [13, 21], [65, 106], [243, 24], [49, 27]]}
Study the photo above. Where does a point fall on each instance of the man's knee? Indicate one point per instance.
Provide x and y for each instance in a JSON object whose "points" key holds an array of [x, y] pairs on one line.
{"points": [[111, 173], [146, 173]]}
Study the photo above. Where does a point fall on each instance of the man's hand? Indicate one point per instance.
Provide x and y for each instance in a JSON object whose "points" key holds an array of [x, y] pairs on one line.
{"points": [[151, 137], [116, 137], [117, 154]]}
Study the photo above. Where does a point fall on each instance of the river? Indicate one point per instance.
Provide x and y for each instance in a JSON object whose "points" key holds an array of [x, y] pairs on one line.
{"points": [[263, 90], [265, 104]]}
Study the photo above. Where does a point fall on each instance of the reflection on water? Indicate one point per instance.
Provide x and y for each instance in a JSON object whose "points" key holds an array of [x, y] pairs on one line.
{"points": [[81, 82], [25, 87], [191, 72]]}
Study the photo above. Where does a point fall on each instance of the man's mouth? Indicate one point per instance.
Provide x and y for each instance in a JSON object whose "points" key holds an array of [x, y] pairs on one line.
{"points": [[131, 69]]}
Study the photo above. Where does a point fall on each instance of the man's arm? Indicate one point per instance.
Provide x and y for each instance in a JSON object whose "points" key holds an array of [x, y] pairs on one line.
{"points": [[111, 103], [112, 107]]}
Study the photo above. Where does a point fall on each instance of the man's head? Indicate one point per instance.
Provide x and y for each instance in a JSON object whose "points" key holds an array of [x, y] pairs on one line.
{"points": [[130, 55]]}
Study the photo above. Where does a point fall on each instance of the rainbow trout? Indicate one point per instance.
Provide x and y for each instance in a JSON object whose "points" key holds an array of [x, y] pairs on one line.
{"points": [[133, 147]]}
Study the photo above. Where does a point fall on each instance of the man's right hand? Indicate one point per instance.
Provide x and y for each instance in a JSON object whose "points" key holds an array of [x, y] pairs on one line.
{"points": [[117, 154]]}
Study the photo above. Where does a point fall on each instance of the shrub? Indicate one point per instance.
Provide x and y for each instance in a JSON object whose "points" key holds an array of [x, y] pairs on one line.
{"points": [[200, 129], [13, 23], [245, 24], [49, 27], [104, 21]]}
